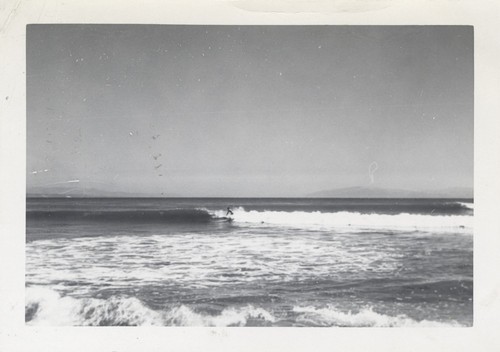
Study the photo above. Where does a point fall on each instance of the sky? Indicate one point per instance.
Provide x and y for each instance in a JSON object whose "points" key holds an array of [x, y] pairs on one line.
{"points": [[249, 111]]}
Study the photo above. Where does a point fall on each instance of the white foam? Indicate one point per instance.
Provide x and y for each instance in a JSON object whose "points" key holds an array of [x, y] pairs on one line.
{"points": [[467, 205], [52, 309], [49, 308], [200, 260], [354, 220], [364, 318], [184, 316]]}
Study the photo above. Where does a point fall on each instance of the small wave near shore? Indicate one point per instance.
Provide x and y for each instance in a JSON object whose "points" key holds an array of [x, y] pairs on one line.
{"points": [[46, 307]]}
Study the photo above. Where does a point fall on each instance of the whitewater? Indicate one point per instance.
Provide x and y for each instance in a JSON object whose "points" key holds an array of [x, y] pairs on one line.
{"points": [[274, 262]]}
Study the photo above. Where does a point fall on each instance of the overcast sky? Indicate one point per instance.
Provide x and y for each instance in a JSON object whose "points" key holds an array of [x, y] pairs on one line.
{"points": [[249, 110]]}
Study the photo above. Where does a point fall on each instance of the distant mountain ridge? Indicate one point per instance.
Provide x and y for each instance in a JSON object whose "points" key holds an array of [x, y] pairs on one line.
{"points": [[85, 190], [375, 192]]}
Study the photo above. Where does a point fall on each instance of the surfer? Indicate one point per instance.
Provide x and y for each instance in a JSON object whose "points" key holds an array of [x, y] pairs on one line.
{"points": [[229, 211]]}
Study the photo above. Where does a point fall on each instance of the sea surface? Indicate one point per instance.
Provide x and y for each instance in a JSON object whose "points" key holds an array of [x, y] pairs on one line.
{"points": [[275, 262]]}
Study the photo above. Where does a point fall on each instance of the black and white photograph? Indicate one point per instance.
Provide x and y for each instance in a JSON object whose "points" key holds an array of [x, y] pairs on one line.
{"points": [[249, 175], [227, 175]]}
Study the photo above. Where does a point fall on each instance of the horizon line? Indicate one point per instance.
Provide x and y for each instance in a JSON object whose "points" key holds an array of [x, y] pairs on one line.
{"points": [[228, 197]]}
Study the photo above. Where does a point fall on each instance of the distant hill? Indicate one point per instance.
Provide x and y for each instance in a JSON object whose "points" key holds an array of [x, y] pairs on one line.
{"points": [[374, 192], [84, 190]]}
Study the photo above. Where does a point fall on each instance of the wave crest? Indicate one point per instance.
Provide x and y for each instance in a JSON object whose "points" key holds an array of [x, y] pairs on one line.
{"points": [[184, 316], [364, 318], [47, 307], [302, 219], [353, 220]]}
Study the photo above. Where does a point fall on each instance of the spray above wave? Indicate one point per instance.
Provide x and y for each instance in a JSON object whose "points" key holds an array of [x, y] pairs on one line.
{"points": [[46, 307], [354, 220]]}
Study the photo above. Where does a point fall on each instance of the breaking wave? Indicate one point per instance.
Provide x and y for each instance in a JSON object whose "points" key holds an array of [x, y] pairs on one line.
{"points": [[44, 306], [354, 220], [365, 318], [47, 307], [466, 205], [316, 219]]}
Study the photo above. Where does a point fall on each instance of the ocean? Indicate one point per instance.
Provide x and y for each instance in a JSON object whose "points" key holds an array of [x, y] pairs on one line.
{"points": [[276, 262]]}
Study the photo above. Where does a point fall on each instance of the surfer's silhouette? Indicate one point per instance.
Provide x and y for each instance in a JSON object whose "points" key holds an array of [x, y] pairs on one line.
{"points": [[229, 211]]}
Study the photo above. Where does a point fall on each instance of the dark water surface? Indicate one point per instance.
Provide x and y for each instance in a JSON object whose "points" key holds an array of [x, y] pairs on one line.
{"points": [[279, 262]]}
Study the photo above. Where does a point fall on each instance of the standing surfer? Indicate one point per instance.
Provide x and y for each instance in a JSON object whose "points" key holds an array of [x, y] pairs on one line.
{"points": [[229, 211]]}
